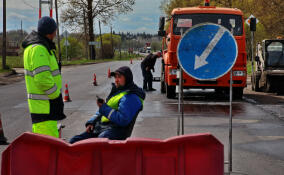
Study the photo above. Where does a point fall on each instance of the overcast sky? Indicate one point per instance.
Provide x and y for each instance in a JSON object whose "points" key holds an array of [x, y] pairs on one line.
{"points": [[143, 18]]}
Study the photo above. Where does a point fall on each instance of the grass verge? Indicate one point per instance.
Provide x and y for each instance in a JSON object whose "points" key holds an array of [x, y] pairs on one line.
{"points": [[17, 61]]}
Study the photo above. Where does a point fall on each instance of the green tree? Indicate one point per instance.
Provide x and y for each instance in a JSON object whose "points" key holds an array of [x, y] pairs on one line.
{"points": [[110, 43], [74, 49], [80, 14], [156, 46]]}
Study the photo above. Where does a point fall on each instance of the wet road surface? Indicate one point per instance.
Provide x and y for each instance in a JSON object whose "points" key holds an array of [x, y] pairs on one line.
{"points": [[258, 133]]}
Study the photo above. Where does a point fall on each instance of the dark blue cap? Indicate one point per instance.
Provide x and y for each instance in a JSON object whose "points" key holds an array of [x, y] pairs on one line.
{"points": [[126, 72], [46, 25]]}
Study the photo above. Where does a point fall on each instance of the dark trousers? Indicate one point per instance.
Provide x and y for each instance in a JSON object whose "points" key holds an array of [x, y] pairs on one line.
{"points": [[112, 134], [147, 78]]}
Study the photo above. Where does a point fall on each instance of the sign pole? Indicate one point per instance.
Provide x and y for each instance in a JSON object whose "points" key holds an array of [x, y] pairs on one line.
{"points": [[252, 41], [180, 127], [198, 62], [230, 123], [181, 94], [180, 123], [179, 101], [58, 36]]}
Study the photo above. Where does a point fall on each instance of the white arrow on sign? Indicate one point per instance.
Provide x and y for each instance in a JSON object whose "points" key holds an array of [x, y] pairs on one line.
{"points": [[201, 60]]}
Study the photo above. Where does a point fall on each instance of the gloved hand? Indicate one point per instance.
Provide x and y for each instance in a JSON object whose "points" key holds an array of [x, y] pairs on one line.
{"points": [[57, 108], [100, 102], [89, 128]]}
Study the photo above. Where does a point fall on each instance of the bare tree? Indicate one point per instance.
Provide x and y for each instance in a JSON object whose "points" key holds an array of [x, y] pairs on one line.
{"points": [[75, 12]]}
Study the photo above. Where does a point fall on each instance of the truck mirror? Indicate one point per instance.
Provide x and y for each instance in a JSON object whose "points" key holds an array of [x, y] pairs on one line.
{"points": [[253, 24], [162, 23], [257, 58]]}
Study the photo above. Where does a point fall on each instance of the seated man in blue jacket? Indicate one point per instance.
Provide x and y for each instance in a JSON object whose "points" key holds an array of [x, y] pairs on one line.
{"points": [[116, 117]]}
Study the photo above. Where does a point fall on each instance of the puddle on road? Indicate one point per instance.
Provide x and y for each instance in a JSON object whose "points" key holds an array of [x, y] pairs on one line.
{"points": [[162, 109]]}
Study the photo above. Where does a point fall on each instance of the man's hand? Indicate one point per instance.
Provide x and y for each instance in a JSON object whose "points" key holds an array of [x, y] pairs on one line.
{"points": [[89, 128], [100, 102]]}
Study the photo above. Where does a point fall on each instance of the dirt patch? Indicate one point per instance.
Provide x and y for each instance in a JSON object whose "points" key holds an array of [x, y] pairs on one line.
{"points": [[10, 77]]}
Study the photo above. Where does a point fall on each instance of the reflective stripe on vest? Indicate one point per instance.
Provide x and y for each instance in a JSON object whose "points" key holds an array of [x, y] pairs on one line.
{"points": [[43, 97], [113, 103], [41, 69], [51, 90], [56, 72], [37, 97]]}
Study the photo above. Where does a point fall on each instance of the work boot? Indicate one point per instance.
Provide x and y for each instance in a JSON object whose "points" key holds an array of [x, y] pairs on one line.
{"points": [[152, 89], [145, 88]]}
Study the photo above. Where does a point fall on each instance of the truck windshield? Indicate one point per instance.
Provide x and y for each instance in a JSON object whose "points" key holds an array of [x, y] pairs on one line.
{"points": [[185, 22], [275, 56]]}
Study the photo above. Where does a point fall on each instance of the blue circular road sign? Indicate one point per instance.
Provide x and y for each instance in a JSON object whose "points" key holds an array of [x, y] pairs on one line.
{"points": [[207, 51]]}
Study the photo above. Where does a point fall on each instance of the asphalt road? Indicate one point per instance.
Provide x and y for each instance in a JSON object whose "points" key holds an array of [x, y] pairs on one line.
{"points": [[258, 128]]}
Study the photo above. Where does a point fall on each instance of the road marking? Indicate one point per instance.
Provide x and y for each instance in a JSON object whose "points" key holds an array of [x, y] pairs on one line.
{"points": [[204, 103], [201, 60], [241, 121], [270, 137]]}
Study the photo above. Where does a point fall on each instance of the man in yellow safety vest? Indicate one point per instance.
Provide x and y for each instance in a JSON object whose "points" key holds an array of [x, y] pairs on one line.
{"points": [[116, 117], [43, 78]]}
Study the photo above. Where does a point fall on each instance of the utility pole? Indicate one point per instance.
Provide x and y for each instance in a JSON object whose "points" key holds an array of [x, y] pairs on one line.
{"points": [[86, 36], [58, 36], [4, 36], [111, 40], [102, 50], [22, 34]]}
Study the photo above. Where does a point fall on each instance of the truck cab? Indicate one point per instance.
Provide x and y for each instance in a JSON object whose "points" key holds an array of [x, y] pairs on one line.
{"points": [[269, 70], [182, 19]]}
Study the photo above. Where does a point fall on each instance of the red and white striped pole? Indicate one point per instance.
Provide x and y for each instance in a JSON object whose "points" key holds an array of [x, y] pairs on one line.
{"points": [[50, 8], [39, 9], [50, 2]]}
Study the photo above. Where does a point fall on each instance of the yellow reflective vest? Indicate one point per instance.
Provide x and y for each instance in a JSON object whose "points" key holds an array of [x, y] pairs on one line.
{"points": [[43, 82], [113, 102]]}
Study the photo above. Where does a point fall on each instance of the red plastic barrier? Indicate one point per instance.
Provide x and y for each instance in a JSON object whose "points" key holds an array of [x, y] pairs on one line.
{"points": [[32, 154]]}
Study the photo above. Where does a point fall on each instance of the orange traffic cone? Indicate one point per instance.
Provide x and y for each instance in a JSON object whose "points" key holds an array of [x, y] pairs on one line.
{"points": [[108, 73], [66, 96], [3, 139], [131, 61], [95, 80]]}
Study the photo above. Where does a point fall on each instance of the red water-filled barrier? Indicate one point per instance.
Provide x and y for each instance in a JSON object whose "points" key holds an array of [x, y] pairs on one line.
{"points": [[32, 154]]}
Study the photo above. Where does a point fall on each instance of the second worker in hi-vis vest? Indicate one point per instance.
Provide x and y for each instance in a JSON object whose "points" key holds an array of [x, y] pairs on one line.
{"points": [[116, 117], [43, 78]]}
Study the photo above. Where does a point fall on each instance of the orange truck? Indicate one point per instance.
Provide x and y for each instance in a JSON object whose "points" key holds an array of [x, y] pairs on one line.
{"points": [[172, 36]]}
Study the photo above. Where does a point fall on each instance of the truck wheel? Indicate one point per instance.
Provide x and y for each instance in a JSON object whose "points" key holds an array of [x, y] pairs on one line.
{"points": [[238, 93], [267, 86], [256, 84], [252, 83], [170, 91], [163, 88]]}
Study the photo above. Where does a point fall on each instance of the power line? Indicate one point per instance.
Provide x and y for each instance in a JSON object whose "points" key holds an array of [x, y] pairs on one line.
{"points": [[26, 3]]}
